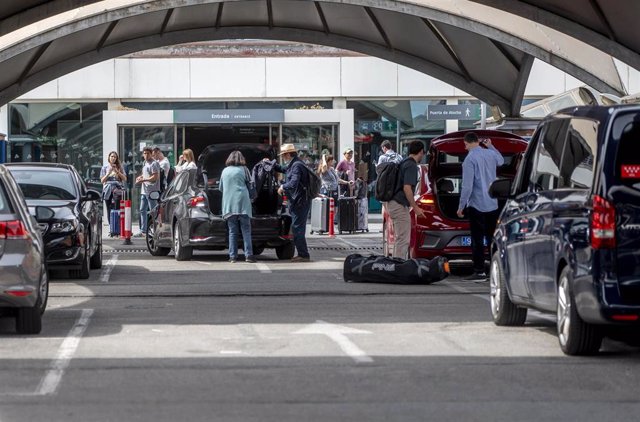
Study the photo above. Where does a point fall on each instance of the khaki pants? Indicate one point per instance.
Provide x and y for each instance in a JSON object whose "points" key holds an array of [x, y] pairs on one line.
{"points": [[401, 220]]}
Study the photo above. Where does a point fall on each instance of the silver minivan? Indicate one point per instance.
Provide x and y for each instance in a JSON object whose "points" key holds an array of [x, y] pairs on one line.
{"points": [[24, 282]]}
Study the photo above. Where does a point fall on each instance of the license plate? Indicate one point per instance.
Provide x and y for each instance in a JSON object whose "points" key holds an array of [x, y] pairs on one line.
{"points": [[466, 241]]}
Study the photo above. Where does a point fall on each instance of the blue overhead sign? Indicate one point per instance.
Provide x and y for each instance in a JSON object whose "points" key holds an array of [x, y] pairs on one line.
{"points": [[229, 116], [454, 112]]}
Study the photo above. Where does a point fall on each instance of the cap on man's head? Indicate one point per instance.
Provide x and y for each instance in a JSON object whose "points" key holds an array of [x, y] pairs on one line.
{"points": [[287, 149], [347, 150]]}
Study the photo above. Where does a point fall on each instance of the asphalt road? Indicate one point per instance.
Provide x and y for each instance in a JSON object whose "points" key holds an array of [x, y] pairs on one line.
{"points": [[152, 339]]}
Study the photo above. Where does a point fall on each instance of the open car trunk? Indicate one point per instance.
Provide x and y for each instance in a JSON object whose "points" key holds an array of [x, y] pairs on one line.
{"points": [[212, 161]]}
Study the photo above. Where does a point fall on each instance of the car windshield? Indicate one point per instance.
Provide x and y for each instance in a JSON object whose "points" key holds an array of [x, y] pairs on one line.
{"points": [[43, 184]]}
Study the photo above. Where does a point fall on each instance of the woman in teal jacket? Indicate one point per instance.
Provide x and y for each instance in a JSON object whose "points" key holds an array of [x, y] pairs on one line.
{"points": [[236, 205]]}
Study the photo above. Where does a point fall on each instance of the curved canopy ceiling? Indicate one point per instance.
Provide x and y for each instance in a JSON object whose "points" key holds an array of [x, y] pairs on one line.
{"points": [[482, 50]]}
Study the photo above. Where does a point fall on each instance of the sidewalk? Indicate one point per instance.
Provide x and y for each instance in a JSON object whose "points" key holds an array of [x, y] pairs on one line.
{"points": [[367, 240]]}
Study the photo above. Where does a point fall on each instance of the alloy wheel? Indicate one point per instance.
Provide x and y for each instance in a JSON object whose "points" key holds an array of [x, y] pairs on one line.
{"points": [[564, 310], [495, 288]]}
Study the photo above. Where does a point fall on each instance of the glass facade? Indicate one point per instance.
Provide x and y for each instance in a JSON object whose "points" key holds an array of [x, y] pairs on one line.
{"points": [[311, 141], [58, 133]]}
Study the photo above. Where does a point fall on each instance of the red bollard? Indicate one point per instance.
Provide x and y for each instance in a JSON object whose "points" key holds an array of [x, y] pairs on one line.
{"points": [[125, 218], [332, 211], [121, 211]]}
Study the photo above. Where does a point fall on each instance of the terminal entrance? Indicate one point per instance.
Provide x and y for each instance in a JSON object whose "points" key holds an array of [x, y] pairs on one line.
{"points": [[199, 137]]}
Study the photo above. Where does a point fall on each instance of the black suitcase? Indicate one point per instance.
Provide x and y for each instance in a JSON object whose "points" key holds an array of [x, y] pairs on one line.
{"points": [[347, 214], [381, 269], [114, 223]]}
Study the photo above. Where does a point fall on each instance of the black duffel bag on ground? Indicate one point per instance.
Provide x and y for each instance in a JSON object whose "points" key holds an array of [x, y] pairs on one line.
{"points": [[380, 269]]}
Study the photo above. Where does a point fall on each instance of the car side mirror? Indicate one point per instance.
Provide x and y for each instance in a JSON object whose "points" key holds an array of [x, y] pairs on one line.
{"points": [[154, 195], [501, 189], [44, 213], [92, 195]]}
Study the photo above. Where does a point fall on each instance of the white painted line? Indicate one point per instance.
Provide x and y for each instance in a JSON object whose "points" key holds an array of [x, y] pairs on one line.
{"points": [[51, 380], [108, 267], [202, 262], [338, 333], [264, 268], [231, 352]]}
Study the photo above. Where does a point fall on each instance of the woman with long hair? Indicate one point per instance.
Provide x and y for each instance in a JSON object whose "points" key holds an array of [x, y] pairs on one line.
{"points": [[113, 177], [186, 161], [236, 205], [329, 177]]}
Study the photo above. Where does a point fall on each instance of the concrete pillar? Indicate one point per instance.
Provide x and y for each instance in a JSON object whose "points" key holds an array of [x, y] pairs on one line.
{"points": [[451, 125]]}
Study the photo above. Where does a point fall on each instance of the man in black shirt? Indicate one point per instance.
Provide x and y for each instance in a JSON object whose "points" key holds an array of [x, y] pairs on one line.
{"points": [[400, 206]]}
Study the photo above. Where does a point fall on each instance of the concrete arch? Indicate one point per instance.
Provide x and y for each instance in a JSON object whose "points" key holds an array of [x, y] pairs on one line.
{"points": [[385, 28]]}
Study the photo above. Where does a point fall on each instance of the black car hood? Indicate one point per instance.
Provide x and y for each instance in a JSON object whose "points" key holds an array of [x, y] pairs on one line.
{"points": [[62, 209]]}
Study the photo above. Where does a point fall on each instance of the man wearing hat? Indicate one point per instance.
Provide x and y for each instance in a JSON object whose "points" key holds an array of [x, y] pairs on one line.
{"points": [[296, 181], [347, 167]]}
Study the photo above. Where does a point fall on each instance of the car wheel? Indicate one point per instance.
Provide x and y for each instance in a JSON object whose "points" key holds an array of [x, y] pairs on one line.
{"points": [[258, 250], [183, 253], [96, 259], [576, 337], [504, 312], [86, 264], [152, 241], [29, 321], [43, 293], [286, 251]]}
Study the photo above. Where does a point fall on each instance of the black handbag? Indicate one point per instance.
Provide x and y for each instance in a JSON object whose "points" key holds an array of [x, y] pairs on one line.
{"points": [[381, 269]]}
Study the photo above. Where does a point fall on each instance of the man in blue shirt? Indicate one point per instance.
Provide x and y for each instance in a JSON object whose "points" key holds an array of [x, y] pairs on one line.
{"points": [[478, 172]]}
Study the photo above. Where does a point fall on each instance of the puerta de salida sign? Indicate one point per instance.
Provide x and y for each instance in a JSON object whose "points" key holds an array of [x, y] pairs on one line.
{"points": [[454, 112], [229, 116]]}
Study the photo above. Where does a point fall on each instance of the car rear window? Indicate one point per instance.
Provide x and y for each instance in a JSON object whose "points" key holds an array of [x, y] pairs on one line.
{"points": [[5, 207], [626, 131], [43, 184]]}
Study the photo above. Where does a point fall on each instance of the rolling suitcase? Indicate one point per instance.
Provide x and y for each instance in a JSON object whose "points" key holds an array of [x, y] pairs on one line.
{"points": [[114, 223], [363, 214], [320, 215], [348, 215]]}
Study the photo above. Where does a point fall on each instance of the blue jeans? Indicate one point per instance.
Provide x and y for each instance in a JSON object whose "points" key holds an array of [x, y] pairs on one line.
{"points": [[299, 227], [146, 205], [235, 224]]}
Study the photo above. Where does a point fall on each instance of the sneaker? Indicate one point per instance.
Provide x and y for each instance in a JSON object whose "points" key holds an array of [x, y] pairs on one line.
{"points": [[139, 234], [232, 260], [477, 277], [250, 259], [300, 259]]}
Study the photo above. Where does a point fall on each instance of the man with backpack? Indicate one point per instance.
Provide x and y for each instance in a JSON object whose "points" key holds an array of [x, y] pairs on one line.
{"points": [[388, 154], [300, 189], [400, 204]]}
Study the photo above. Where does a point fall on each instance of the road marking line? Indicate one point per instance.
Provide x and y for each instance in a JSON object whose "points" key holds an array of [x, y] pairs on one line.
{"points": [[51, 380], [202, 262], [231, 352], [106, 271], [338, 333], [264, 268]]}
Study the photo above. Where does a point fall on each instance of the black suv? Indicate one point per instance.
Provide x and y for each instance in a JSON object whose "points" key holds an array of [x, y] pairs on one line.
{"points": [[72, 228], [189, 212], [568, 239]]}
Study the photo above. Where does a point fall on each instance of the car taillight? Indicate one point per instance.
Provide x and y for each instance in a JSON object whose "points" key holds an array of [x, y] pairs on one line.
{"points": [[603, 224], [196, 200], [427, 199], [13, 230]]}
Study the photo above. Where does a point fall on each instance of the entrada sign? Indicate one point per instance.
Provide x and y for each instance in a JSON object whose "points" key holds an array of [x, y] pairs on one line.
{"points": [[229, 116]]}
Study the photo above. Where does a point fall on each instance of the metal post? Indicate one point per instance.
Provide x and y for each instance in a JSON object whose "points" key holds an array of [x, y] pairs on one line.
{"points": [[398, 137], [483, 120]]}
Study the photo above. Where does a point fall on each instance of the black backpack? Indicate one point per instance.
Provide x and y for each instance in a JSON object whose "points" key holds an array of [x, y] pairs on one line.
{"points": [[313, 187], [387, 181]]}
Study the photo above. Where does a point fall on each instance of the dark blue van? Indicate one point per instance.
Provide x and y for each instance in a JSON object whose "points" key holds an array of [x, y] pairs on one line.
{"points": [[568, 238]]}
